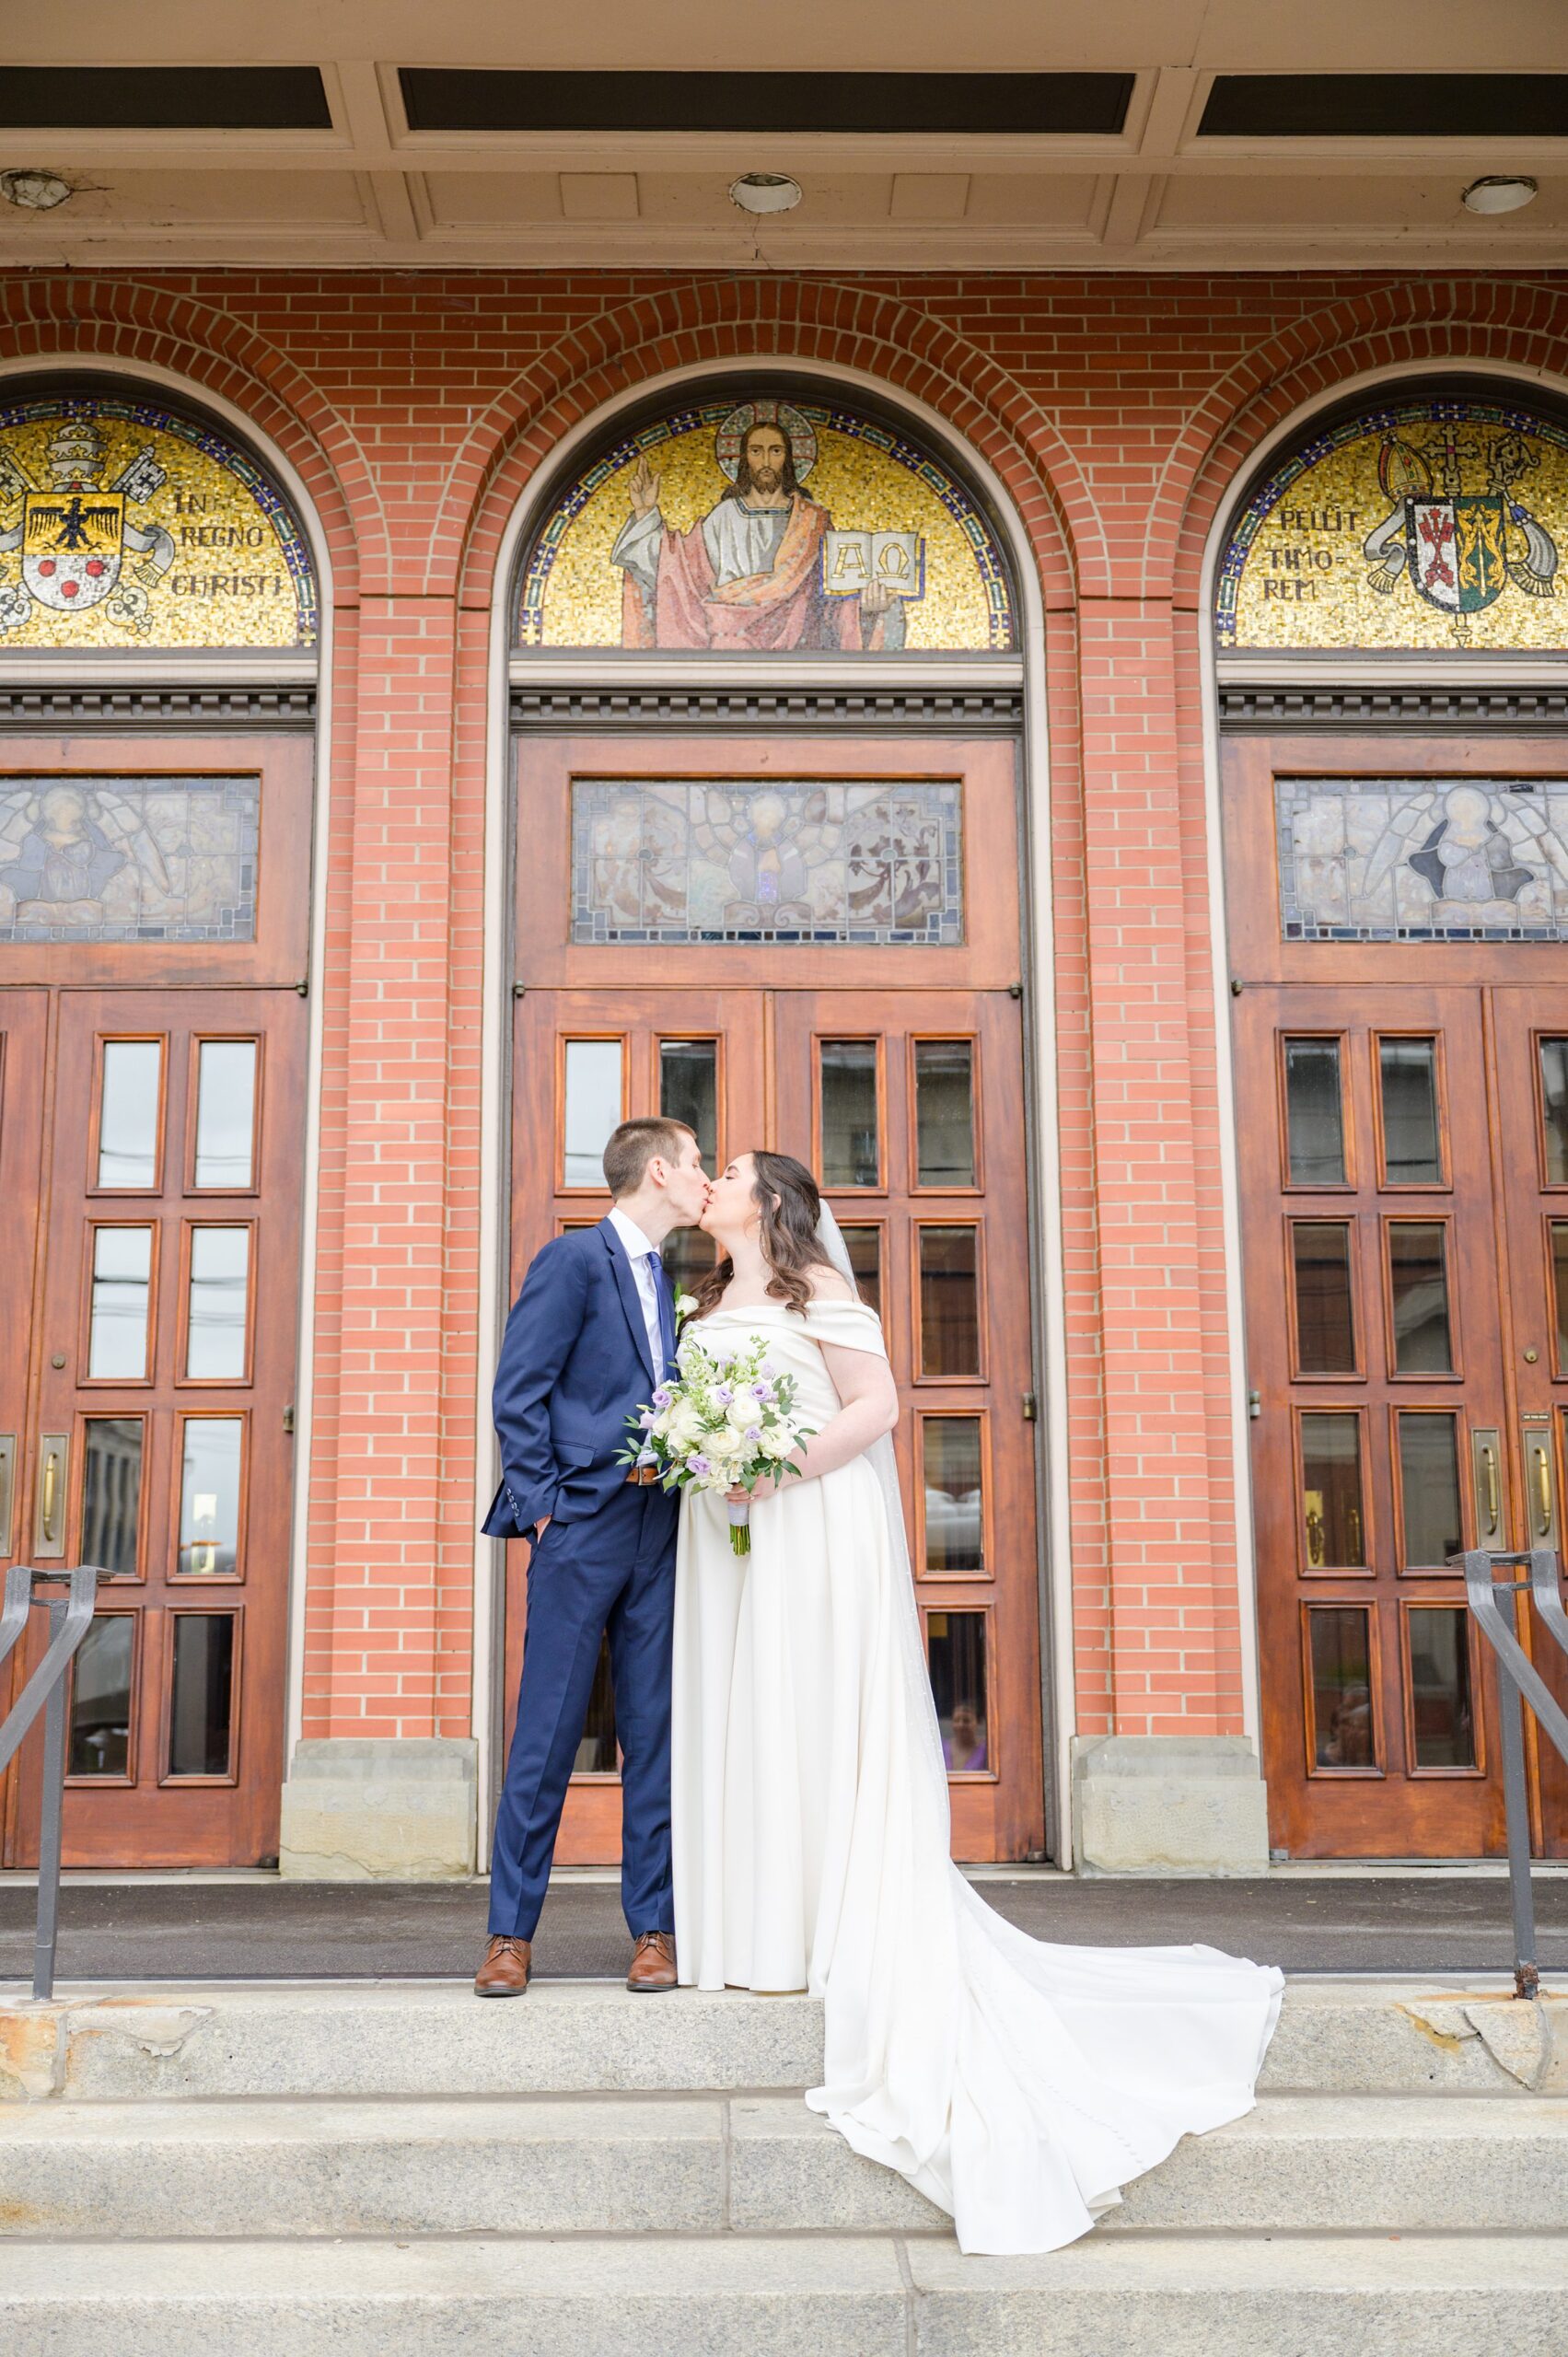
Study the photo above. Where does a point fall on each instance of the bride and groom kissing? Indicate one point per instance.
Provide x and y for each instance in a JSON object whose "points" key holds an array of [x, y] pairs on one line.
{"points": [[785, 1792]]}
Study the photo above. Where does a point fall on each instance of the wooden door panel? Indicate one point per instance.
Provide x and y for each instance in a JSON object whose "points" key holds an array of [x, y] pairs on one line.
{"points": [[24, 1017], [167, 1335]]}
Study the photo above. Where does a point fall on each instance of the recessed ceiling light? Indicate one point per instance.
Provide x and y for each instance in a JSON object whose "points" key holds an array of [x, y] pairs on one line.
{"points": [[1499, 193], [765, 192], [34, 191]]}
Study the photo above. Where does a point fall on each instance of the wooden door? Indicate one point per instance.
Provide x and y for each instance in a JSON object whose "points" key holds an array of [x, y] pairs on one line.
{"points": [[912, 1102], [152, 1122], [1404, 1106], [896, 1068]]}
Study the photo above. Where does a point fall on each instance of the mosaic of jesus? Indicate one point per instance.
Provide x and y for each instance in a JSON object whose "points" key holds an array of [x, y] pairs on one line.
{"points": [[764, 526]]}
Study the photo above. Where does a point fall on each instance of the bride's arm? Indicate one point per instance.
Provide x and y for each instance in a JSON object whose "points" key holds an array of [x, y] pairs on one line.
{"points": [[864, 1382]]}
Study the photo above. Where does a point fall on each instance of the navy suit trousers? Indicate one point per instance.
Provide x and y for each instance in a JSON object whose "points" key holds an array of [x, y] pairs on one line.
{"points": [[612, 1573]]}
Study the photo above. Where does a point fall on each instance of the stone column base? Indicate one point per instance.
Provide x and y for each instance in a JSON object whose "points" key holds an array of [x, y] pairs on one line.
{"points": [[1169, 1805], [362, 1808]]}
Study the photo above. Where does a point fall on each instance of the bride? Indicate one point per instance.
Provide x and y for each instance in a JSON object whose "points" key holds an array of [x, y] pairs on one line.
{"points": [[1017, 2084]]}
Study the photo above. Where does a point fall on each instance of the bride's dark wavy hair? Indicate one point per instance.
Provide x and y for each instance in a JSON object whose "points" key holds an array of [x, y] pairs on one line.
{"points": [[786, 1193]]}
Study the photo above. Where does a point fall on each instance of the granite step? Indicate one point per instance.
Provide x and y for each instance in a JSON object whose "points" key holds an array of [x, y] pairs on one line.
{"points": [[1371, 2036], [743, 2296], [707, 2165]]}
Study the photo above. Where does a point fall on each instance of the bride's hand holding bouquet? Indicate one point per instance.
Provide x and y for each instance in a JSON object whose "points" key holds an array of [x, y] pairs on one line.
{"points": [[726, 1426]]}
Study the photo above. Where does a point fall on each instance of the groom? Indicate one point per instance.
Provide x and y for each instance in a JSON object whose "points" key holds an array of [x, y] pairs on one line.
{"points": [[592, 1332]]}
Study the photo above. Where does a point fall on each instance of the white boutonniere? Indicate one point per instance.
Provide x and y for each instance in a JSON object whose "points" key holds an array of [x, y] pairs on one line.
{"points": [[685, 1307]]}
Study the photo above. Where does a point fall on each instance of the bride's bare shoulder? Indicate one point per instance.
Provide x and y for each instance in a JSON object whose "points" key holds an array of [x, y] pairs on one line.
{"points": [[828, 1284]]}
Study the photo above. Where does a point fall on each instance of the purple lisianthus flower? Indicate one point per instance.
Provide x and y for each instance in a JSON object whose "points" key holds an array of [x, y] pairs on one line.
{"points": [[753, 1432], [723, 1394], [761, 1391], [663, 1395], [700, 1465], [647, 1419]]}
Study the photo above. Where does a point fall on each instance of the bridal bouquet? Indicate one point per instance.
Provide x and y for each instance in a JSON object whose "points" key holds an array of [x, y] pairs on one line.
{"points": [[722, 1424]]}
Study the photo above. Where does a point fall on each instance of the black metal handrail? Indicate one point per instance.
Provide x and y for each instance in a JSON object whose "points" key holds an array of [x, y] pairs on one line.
{"points": [[69, 1617], [1519, 1682]]}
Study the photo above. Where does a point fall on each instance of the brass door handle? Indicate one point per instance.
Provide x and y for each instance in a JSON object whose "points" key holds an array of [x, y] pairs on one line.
{"points": [[1543, 1488], [1489, 1461], [7, 1487], [49, 1521]]}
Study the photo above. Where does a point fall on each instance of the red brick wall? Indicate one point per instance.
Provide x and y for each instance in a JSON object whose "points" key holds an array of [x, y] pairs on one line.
{"points": [[1115, 411]]}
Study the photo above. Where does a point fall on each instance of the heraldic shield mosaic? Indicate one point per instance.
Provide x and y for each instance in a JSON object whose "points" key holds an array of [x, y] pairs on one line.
{"points": [[1426, 523], [763, 526], [123, 524]]}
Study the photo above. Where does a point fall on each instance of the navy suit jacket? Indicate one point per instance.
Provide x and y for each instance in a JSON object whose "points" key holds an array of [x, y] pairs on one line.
{"points": [[574, 1366]]}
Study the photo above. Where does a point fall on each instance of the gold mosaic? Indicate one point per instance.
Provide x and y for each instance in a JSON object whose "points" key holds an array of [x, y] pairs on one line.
{"points": [[1435, 523], [766, 525], [122, 524]]}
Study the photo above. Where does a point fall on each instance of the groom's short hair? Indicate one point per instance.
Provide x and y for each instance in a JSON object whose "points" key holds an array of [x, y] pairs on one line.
{"points": [[633, 1145]]}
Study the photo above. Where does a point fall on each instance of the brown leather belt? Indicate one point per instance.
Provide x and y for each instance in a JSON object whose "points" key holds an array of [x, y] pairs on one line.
{"points": [[643, 1477]]}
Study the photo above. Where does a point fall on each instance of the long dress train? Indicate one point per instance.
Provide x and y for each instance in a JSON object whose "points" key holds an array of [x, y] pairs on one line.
{"points": [[1018, 2084]]}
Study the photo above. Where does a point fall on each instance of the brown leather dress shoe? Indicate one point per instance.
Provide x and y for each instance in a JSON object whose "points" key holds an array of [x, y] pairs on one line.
{"points": [[506, 1967], [653, 1963]]}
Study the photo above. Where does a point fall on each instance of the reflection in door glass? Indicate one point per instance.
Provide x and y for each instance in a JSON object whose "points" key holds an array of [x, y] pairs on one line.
{"points": [[220, 1269], [1341, 1686], [851, 1143], [117, 1339], [595, 1754], [1554, 1109], [128, 1113], [1314, 1118], [864, 1248], [955, 1517], [200, 1702], [688, 1255], [99, 1741], [209, 1497], [944, 1112], [1429, 1489], [1330, 1483], [1325, 1316], [688, 1091], [1412, 1144], [1418, 1283], [226, 1112], [111, 1492], [592, 1109], [955, 1645], [949, 1301], [1560, 1289], [1441, 1714]]}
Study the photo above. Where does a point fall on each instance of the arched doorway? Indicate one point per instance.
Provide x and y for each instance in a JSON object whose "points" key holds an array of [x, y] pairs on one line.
{"points": [[768, 875], [1389, 634], [157, 645]]}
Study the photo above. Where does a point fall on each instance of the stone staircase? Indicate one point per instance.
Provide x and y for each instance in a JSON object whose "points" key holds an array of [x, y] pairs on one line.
{"points": [[395, 2169]]}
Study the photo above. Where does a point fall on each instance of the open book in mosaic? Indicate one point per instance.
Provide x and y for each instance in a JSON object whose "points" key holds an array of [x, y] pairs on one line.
{"points": [[1423, 522], [124, 524], [128, 858], [1423, 859], [689, 860], [766, 525]]}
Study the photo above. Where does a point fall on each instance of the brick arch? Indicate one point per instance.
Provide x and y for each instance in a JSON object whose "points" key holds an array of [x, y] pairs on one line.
{"points": [[795, 322], [1451, 322], [98, 322]]}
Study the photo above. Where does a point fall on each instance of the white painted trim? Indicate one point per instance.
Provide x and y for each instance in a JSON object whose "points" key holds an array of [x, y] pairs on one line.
{"points": [[247, 664], [1437, 670], [911, 671], [548, 668]]}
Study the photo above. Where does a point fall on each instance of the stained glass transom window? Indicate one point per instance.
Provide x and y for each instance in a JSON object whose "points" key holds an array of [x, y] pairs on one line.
{"points": [[1422, 859], [129, 858], [689, 860]]}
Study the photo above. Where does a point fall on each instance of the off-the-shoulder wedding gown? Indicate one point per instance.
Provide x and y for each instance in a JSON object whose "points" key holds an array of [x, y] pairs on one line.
{"points": [[1016, 2082]]}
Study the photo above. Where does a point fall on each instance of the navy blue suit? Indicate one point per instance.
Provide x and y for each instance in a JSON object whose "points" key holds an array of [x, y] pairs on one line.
{"points": [[575, 1365]]}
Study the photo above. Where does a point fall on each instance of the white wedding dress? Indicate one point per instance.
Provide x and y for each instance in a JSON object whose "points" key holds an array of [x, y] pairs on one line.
{"points": [[1016, 2084]]}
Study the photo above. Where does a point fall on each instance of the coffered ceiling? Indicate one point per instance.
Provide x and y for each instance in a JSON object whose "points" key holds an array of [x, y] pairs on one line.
{"points": [[1111, 134]]}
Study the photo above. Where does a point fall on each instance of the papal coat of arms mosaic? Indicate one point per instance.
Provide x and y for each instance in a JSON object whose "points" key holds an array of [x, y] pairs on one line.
{"points": [[766, 525], [124, 524], [1425, 523]]}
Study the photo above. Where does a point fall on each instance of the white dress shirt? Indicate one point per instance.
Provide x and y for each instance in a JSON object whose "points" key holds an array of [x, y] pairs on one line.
{"points": [[642, 1256]]}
